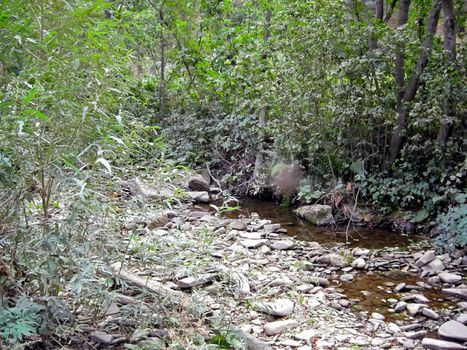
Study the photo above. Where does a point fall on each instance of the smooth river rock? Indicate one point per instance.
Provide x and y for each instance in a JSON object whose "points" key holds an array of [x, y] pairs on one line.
{"points": [[282, 245], [456, 292], [428, 257], [453, 330], [273, 328], [316, 214], [447, 277], [280, 307], [436, 344]]}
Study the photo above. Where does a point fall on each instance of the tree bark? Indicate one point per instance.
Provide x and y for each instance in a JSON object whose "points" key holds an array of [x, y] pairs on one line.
{"points": [[259, 161], [449, 46], [162, 93], [404, 97]]}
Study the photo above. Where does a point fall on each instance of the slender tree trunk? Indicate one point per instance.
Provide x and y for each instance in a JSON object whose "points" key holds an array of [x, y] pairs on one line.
{"points": [[390, 11], [162, 93], [259, 161], [450, 52], [404, 97]]}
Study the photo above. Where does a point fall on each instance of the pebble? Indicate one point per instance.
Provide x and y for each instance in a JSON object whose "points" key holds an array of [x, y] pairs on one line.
{"points": [[377, 316], [416, 335], [401, 306], [409, 344], [430, 313], [347, 277]]}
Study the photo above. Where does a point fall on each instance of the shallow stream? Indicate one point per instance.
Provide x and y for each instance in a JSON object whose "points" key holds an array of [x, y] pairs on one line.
{"points": [[372, 290]]}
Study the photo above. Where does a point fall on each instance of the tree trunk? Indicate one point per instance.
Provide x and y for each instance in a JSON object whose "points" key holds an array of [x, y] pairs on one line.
{"points": [[403, 98], [263, 110], [162, 94], [449, 45]]}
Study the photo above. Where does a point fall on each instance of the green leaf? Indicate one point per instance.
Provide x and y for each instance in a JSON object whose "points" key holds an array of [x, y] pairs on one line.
{"points": [[36, 113], [420, 216]]}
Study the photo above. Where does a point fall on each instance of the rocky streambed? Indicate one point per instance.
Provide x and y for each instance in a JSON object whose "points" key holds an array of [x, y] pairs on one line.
{"points": [[248, 275]]}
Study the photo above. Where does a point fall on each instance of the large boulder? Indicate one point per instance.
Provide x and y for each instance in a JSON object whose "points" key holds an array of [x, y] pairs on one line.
{"points": [[316, 214]]}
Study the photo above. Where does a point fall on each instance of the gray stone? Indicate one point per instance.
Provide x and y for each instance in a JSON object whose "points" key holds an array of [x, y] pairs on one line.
{"points": [[436, 344], [238, 225], [462, 318], [282, 245], [453, 330], [198, 196], [193, 281], [400, 287], [394, 328], [377, 316], [447, 277], [272, 227], [280, 307], [416, 335], [413, 309], [101, 337], [427, 257], [359, 263], [430, 313], [251, 235], [401, 305], [252, 243], [361, 252], [409, 344], [347, 277], [434, 266], [273, 328], [317, 281], [240, 284], [316, 214], [456, 292]]}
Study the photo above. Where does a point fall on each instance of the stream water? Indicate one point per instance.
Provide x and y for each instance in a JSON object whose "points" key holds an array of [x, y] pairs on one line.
{"points": [[364, 237], [371, 290]]}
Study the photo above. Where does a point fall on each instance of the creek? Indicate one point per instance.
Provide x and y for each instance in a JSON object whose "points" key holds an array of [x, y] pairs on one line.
{"points": [[371, 291]]}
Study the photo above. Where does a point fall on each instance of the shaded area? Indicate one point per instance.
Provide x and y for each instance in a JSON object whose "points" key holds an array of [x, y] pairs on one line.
{"points": [[364, 237]]}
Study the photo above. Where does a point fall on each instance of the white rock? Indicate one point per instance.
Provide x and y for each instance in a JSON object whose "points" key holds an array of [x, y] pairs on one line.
{"points": [[282, 245], [252, 243], [250, 235], [306, 334], [436, 344], [453, 330], [413, 309], [430, 313], [359, 263], [280, 307], [447, 277], [428, 257], [434, 266], [273, 328], [377, 316]]}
